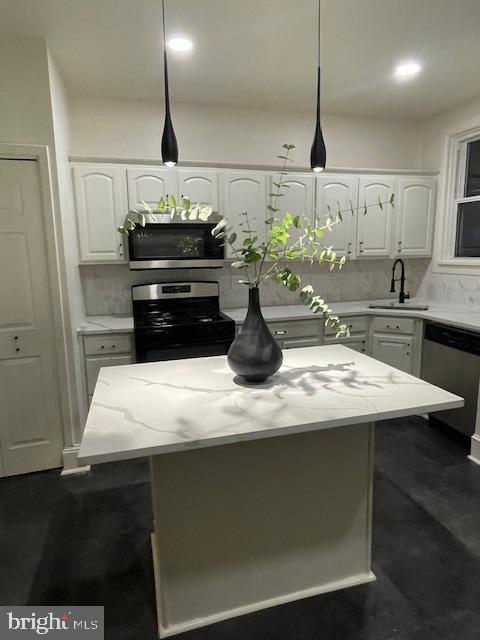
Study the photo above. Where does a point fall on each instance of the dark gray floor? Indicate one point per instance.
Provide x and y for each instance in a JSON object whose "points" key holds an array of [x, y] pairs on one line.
{"points": [[85, 540]]}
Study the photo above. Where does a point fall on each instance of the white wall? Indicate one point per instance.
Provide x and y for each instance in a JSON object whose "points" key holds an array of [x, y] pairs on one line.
{"points": [[74, 303], [433, 132], [25, 113], [448, 284], [130, 128]]}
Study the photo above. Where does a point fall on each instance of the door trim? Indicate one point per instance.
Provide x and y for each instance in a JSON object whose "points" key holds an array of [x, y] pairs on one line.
{"points": [[64, 348]]}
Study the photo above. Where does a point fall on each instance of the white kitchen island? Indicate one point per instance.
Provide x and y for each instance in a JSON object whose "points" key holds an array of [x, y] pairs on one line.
{"points": [[261, 494]]}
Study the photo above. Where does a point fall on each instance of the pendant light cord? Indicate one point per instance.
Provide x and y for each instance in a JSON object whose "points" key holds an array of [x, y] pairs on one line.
{"points": [[319, 29], [165, 69], [318, 59]]}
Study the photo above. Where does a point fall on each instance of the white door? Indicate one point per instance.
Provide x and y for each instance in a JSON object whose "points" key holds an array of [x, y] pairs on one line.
{"points": [[394, 350], [101, 207], [30, 421], [334, 191], [374, 228], [296, 199], [200, 185], [414, 216], [149, 184], [244, 192]]}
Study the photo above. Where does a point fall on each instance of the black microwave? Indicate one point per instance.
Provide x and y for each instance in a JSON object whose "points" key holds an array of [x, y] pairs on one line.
{"points": [[171, 245]]}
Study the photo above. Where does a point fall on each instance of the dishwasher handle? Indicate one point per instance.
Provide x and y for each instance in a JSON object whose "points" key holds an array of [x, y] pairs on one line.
{"points": [[461, 339]]}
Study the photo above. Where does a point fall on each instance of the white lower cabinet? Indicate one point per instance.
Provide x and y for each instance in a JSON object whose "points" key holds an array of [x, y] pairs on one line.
{"points": [[103, 350], [397, 351], [397, 341], [359, 344]]}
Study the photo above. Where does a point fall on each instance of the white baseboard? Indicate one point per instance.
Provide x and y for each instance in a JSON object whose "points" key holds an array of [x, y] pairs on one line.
{"points": [[475, 449], [70, 462], [352, 581]]}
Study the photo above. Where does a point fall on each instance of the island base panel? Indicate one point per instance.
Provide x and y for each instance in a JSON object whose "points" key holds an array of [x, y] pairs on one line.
{"points": [[250, 525]]}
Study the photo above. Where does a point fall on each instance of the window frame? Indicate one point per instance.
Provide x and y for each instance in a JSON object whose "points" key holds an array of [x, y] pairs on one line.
{"points": [[455, 174]]}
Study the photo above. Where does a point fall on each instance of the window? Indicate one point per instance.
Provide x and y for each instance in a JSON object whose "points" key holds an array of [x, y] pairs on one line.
{"points": [[467, 201]]}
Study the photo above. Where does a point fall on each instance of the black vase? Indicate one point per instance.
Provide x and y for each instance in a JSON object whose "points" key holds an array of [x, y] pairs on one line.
{"points": [[254, 354]]}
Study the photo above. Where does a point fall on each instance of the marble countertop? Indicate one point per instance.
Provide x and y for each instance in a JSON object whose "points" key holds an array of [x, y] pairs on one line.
{"points": [[106, 324], [161, 407], [461, 316]]}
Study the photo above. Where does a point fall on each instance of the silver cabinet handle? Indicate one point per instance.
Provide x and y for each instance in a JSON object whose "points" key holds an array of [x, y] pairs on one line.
{"points": [[399, 246], [280, 333], [360, 244]]}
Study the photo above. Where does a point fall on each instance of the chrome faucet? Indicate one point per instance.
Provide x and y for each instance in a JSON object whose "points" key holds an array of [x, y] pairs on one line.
{"points": [[402, 295]]}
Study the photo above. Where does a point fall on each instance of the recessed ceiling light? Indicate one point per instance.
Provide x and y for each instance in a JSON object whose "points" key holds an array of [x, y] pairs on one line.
{"points": [[180, 44], [407, 69]]}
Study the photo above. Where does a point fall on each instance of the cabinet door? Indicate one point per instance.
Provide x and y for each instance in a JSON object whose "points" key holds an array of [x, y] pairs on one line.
{"points": [[244, 191], [394, 350], [296, 198], [200, 185], [101, 207], [374, 229], [150, 184], [330, 192], [414, 216], [357, 344], [93, 366]]}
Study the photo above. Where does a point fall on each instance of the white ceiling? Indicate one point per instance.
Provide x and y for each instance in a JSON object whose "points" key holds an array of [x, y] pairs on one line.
{"points": [[262, 53]]}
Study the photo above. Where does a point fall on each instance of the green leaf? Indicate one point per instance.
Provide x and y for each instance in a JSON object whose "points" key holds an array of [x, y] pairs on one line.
{"points": [[288, 146], [171, 201], [185, 202], [319, 232], [161, 205], [285, 158], [296, 222], [276, 195], [272, 209], [141, 219], [122, 230], [287, 220], [269, 220]]}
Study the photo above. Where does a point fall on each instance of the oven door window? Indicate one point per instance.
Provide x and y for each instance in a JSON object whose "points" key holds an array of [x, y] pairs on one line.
{"points": [[168, 242]]}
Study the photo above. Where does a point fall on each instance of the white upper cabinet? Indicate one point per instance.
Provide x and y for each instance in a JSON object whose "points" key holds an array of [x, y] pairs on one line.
{"points": [[200, 185], [334, 191], [374, 229], [101, 203], [414, 212], [296, 198], [244, 191], [149, 184]]}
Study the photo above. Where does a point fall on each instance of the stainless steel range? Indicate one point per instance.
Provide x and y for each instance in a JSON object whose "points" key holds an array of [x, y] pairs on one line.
{"points": [[174, 320]]}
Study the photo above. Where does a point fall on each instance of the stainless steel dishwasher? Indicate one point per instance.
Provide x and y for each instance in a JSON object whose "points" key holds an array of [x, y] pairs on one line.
{"points": [[451, 360]]}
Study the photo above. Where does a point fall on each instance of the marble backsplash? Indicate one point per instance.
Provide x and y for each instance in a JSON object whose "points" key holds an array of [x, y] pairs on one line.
{"points": [[107, 288], [450, 288]]}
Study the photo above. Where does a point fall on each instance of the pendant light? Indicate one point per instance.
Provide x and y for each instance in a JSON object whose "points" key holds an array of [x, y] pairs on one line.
{"points": [[318, 154], [169, 141]]}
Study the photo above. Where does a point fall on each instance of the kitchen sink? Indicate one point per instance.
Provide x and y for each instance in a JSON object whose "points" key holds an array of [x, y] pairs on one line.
{"points": [[399, 307]]}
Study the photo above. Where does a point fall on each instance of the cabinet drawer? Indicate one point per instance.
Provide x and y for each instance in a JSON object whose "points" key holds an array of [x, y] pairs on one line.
{"points": [[301, 342], [356, 324], [107, 343], [393, 325], [295, 328], [93, 366], [358, 343]]}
